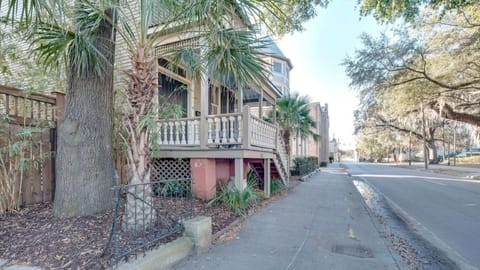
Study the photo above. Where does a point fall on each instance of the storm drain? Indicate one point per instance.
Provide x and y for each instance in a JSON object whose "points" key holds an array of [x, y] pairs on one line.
{"points": [[353, 250]]}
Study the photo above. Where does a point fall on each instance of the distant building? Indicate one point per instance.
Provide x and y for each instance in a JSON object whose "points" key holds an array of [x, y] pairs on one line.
{"points": [[308, 146], [333, 149]]}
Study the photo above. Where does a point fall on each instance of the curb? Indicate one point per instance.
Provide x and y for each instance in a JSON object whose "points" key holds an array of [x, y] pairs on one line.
{"points": [[305, 177]]}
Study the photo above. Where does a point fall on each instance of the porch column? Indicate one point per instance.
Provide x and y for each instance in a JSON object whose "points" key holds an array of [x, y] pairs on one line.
{"points": [[240, 99], [204, 96], [240, 181], [266, 177], [274, 112], [260, 105]]}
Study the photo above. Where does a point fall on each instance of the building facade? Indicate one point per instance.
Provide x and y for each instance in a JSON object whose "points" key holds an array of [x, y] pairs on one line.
{"points": [[308, 146]]}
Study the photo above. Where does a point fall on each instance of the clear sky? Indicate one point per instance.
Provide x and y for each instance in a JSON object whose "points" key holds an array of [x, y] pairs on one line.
{"points": [[316, 54]]}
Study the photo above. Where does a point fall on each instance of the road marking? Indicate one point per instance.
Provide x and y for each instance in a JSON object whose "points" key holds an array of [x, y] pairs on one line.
{"points": [[470, 204], [416, 177], [433, 182]]}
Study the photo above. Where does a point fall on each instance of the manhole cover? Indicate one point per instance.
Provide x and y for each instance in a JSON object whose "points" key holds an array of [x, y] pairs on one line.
{"points": [[353, 250]]}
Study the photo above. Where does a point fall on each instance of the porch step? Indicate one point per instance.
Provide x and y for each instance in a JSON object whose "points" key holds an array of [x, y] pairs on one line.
{"points": [[258, 169]]}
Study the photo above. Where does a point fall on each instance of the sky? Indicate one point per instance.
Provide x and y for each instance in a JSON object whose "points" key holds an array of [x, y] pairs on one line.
{"points": [[316, 54]]}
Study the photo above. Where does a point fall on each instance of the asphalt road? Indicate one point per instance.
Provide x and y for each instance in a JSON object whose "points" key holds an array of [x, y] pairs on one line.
{"points": [[448, 207]]}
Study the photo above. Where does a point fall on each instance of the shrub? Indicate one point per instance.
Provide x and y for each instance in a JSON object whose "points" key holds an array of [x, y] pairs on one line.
{"points": [[238, 201], [174, 188], [276, 185], [304, 165]]}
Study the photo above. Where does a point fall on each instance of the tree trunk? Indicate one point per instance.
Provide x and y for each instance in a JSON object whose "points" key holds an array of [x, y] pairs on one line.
{"points": [[84, 160], [139, 211], [286, 141]]}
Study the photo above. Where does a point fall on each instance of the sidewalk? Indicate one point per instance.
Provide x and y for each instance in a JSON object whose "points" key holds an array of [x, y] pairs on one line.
{"points": [[321, 224]]}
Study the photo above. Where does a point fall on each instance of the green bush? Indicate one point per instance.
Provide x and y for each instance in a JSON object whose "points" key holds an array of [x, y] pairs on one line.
{"points": [[276, 185], [304, 165], [174, 188], [238, 201]]}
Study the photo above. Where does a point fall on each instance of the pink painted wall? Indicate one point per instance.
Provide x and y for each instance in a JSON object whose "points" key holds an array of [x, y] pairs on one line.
{"points": [[225, 169], [204, 178]]}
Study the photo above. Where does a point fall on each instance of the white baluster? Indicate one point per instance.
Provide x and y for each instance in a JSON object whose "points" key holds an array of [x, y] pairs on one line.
{"points": [[183, 129], [240, 125], [170, 125], [190, 132], [224, 130], [231, 138], [217, 130], [196, 131], [159, 130], [177, 132], [165, 132], [210, 128]]}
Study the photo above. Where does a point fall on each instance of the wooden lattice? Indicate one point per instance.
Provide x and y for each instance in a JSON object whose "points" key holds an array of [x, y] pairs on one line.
{"points": [[169, 168]]}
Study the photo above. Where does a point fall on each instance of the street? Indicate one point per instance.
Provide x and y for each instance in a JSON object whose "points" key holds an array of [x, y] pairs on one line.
{"points": [[446, 206]]}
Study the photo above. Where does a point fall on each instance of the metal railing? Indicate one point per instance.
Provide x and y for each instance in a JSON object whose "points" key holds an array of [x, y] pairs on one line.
{"points": [[148, 214]]}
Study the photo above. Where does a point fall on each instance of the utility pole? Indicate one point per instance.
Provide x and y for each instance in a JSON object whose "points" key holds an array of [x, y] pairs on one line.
{"points": [[410, 149], [425, 149], [455, 145], [443, 139], [449, 152]]}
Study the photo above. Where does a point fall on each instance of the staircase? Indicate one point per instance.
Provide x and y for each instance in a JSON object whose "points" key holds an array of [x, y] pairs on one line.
{"points": [[281, 158], [279, 166]]}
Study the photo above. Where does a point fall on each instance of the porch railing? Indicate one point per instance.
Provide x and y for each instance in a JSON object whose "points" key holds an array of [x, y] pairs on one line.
{"points": [[224, 129], [221, 130], [182, 132], [262, 133]]}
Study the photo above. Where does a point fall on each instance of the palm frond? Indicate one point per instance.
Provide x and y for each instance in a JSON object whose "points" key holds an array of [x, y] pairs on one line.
{"points": [[236, 53]]}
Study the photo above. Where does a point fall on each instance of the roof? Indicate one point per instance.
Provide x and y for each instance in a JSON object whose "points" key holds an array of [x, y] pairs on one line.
{"points": [[273, 50]]}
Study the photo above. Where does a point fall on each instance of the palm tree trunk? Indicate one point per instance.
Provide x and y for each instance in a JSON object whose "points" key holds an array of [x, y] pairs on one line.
{"points": [[141, 88], [84, 160]]}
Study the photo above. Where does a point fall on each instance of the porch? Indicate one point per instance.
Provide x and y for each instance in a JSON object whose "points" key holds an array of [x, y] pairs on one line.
{"points": [[222, 131]]}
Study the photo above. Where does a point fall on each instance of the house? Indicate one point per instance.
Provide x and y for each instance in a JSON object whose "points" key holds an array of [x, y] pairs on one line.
{"points": [[217, 138], [308, 146]]}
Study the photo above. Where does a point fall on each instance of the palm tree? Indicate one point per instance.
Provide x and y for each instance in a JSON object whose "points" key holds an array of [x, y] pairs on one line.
{"points": [[293, 116], [80, 37], [220, 48], [65, 37]]}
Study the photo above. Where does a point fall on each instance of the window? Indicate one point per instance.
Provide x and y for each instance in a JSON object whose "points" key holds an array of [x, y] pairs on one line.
{"points": [[277, 67]]}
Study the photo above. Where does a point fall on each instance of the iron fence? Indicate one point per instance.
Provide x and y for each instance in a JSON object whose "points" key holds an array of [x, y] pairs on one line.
{"points": [[146, 215]]}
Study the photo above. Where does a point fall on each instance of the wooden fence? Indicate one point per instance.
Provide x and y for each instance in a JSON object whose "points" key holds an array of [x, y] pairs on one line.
{"points": [[33, 110]]}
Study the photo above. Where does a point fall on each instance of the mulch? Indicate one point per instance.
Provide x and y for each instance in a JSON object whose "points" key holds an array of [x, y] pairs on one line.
{"points": [[33, 236]]}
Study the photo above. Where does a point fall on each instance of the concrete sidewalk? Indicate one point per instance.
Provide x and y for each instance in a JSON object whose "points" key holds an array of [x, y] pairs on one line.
{"points": [[321, 224]]}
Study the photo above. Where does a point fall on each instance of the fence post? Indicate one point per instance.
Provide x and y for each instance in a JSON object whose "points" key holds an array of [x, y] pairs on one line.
{"points": [[60, 104]]}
